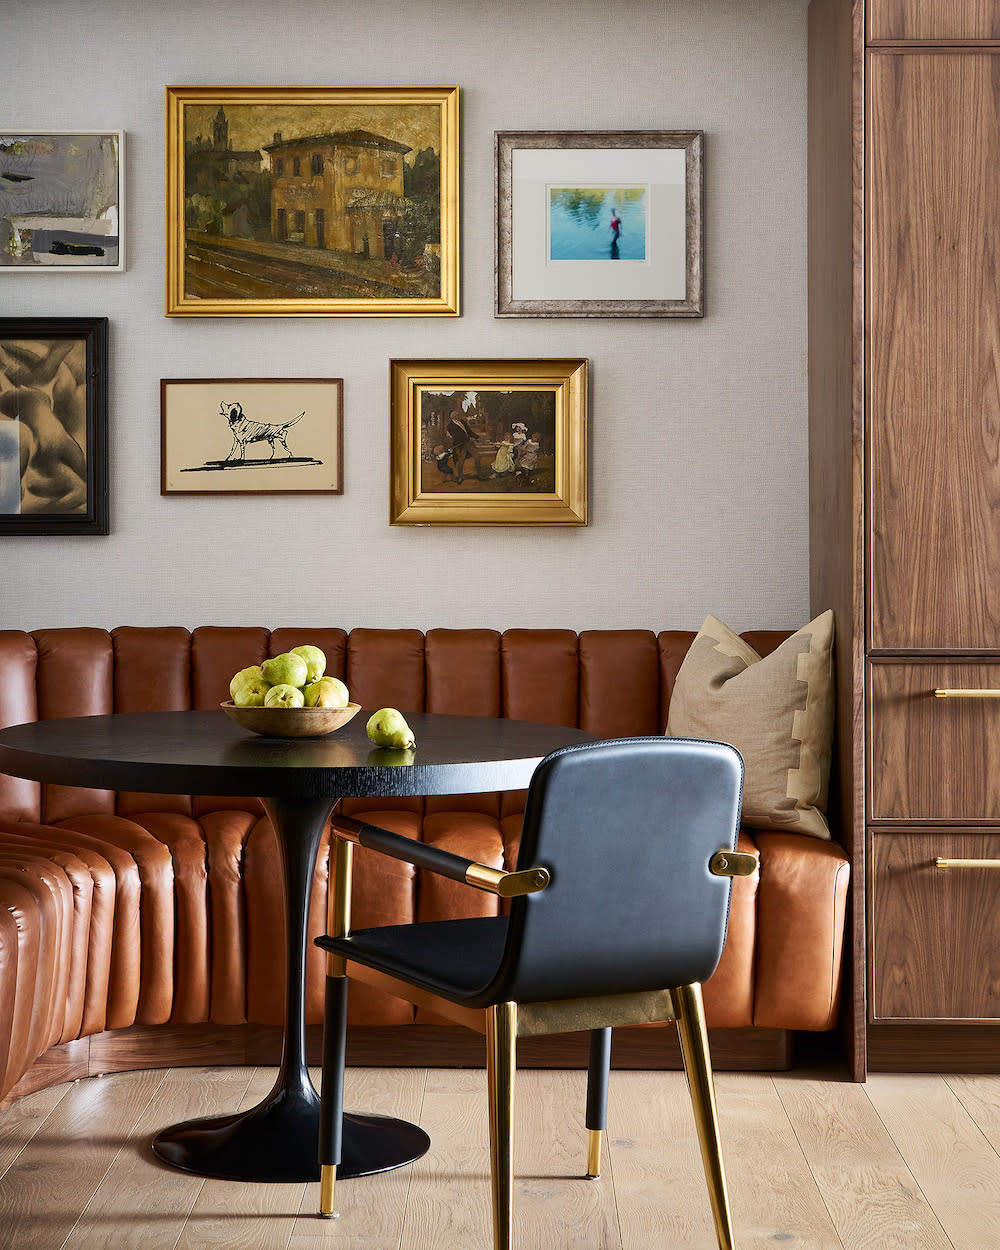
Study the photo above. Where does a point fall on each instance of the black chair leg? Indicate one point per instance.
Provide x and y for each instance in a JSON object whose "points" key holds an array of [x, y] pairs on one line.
{"points": [[331, 1110], [598, 1071]]}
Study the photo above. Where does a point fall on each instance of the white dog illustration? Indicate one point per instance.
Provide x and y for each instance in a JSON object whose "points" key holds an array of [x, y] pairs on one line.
{"points": [[247, 432]]}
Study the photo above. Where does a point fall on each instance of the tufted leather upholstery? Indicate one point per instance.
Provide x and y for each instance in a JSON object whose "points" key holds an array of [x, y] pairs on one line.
{"points": [[120, 909]]}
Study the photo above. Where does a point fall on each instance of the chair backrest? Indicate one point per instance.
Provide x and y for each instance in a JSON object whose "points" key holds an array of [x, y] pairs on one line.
{"points": [[627, 828]]}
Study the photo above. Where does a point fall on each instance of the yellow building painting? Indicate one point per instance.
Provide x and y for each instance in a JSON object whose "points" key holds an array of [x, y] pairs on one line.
{"points": [[341, 191]]}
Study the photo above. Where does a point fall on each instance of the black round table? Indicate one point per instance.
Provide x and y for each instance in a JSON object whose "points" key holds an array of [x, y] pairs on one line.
{"points": [[300, 781]]}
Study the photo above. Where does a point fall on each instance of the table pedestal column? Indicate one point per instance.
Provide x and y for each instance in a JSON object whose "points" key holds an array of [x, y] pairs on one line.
{"points": [[277, 1139]]}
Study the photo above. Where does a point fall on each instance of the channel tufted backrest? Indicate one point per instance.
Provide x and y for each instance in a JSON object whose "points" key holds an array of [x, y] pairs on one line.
{"points": [[613, 683]]}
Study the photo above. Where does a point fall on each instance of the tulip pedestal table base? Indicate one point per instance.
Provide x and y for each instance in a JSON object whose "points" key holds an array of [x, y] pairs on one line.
{"points": [[276, 1140], [202, 752]]}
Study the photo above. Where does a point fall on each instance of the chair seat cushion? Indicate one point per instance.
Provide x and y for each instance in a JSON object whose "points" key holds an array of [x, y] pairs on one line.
{"points": [[455, 959]]}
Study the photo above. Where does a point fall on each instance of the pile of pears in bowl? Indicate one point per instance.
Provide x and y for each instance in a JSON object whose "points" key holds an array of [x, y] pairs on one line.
{"points": [[290, 696]]}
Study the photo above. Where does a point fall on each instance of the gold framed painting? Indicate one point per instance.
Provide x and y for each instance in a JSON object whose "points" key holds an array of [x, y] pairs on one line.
{"points": [[312, 201], [251, 436], [488, 442]]}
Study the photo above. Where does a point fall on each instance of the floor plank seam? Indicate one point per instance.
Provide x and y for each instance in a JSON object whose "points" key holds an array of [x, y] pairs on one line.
{"points": [[962, 1104], [124, 1142], [909, 1171], [805, 1160], [37, 1128], [409, 1169]]}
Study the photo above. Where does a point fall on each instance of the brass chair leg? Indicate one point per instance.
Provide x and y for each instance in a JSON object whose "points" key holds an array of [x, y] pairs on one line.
{"points": [[693, 1035], [501, 1065]]}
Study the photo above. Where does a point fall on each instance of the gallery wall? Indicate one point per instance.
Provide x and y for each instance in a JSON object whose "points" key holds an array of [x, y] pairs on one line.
{"points": [[697, 427]]}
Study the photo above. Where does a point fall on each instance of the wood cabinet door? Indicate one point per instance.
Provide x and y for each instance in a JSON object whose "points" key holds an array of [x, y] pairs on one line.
{"points": [[944, 20], [934, 349], [935, 934], [934, 759]]}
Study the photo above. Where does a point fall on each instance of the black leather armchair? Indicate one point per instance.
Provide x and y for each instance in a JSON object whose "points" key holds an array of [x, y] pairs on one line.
{"points": [[618, 912]]}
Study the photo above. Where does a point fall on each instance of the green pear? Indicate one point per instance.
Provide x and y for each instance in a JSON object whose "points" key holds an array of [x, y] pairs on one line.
{"points": [[327, 692], [314, 658], [387, 728], [249, 686], [286, 670], [284, 695]]}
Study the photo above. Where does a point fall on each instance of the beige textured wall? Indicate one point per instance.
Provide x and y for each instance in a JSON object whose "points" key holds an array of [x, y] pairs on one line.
{"points": [[698, 428]]}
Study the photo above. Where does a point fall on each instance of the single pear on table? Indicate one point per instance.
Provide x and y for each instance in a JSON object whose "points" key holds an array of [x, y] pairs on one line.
{"points": [[388, 728], [249, 686], [327, 692], [314, 658]]}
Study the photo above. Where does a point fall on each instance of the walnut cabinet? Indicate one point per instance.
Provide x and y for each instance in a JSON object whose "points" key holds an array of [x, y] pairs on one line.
{"points": [[904, 304]]}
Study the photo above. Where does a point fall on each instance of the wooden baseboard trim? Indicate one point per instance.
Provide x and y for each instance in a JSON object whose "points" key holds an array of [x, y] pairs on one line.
{"points": [[419, 1045], [933, 1048]]}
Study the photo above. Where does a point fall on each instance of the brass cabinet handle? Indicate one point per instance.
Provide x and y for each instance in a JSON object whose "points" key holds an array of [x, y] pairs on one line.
{"points": [[966, 694], [966, 863]]}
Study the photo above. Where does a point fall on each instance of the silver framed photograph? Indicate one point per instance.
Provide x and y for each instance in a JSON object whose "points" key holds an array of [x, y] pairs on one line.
{"points": [[62, 201], [599, 223]]}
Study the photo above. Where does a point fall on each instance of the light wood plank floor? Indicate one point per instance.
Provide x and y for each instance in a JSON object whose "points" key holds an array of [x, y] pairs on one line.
{"points": [[814, 1161]]}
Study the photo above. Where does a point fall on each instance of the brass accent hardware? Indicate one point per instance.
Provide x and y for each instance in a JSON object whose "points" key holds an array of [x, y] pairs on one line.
{"points": [[733, 864], [939, 862], [594, 1138], [339, 922], [457, 868], [507, 884], [966, 694], [327, 1182]]}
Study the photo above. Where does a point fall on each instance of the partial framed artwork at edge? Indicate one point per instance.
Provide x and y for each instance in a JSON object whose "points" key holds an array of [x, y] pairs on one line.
{"points": [[251, 436], [53, 425], [488, 442], [62, 201]]}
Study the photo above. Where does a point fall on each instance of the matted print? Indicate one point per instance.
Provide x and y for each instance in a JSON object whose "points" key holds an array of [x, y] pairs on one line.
{"points": [[599, 224]]}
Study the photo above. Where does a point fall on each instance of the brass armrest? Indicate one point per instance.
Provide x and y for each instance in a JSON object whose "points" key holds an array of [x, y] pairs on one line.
{"points": [[444, 863]]}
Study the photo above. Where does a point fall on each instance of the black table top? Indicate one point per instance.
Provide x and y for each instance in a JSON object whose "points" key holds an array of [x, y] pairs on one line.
{"points": [[207, 753]]}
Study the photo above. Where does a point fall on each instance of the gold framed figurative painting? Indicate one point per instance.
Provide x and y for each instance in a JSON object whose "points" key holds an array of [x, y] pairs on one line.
{"points": [[488, 442], [312, 201]]}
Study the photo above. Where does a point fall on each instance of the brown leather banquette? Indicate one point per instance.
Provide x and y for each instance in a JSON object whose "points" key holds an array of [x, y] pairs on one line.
{"points": [[145, 930]]}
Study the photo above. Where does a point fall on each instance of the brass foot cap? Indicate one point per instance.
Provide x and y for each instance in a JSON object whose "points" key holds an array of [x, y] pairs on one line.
{"points": [[329, 1215]]}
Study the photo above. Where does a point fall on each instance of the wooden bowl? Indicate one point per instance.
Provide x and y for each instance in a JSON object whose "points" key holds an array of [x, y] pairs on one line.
{"points": [[291, 722]]}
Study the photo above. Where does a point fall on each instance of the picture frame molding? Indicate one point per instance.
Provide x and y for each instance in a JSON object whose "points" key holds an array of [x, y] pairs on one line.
{"points": [[693, 143], [567, 506], [94, 332], [338, 435], [91, 269], [178, 304]]}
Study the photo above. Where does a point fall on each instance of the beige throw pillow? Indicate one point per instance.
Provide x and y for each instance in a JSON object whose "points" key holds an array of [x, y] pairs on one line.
{"points": [[777, 712]]}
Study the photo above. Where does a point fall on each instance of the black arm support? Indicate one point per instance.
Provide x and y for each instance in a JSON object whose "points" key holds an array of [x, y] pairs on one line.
{"points": [[444, 863]]}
